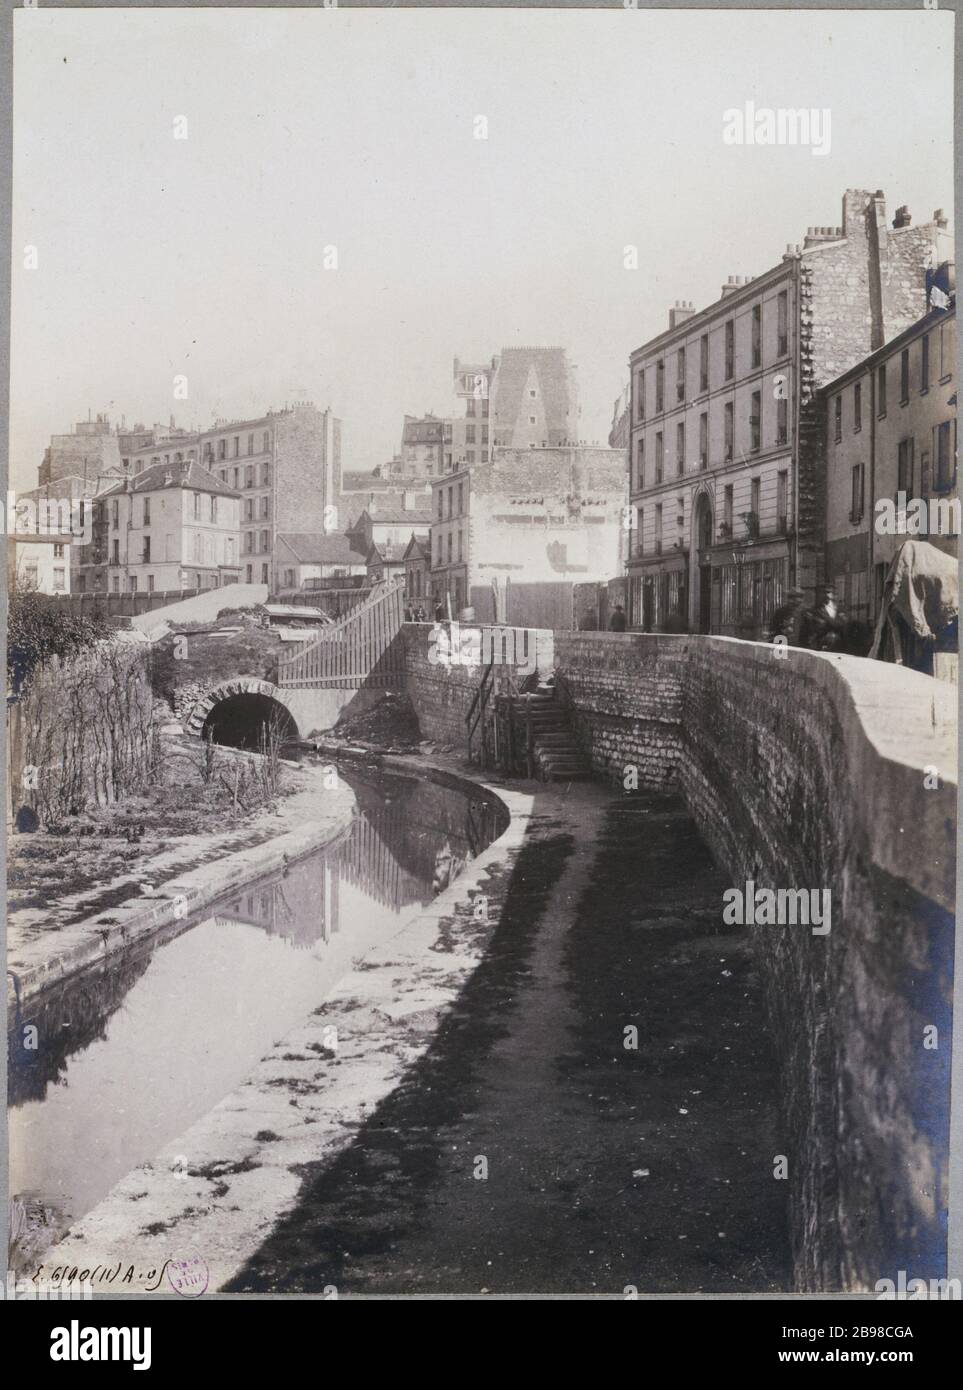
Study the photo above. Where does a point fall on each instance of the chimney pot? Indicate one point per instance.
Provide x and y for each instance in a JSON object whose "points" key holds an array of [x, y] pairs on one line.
{"points": [[939, 217]]}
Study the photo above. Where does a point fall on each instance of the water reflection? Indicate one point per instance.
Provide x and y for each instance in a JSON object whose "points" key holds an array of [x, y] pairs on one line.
{"points": [[408, 842], [108, 1067]]}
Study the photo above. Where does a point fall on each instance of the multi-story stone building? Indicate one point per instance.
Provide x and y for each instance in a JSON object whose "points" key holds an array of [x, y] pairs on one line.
{"points": [[449, 538], [511, 537], [890, 425], [620, 434], [91, 450], [726, 464], [170, 527], [286, 465], [425, 440]]}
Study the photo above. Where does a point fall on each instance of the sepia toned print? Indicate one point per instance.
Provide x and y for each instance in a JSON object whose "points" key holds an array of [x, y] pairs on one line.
{"points": [[482, 558]]}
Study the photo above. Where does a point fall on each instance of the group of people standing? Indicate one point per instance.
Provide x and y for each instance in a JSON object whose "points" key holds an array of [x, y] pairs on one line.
{"points": [[822, 628]]}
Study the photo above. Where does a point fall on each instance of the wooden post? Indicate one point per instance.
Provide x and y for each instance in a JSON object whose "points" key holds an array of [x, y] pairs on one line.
{"points": [[529, 738]]}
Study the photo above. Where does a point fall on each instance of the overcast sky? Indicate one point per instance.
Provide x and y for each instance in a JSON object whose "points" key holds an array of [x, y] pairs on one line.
{"points": [[204, 257]]}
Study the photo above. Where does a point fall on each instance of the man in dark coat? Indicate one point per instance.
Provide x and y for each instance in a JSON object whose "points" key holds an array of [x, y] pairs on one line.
{"points": [[617, 621], [823, 627], [787, 618]]}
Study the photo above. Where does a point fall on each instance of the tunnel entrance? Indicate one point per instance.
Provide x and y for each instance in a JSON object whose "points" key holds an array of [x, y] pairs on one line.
{"points": [[245, 720]]}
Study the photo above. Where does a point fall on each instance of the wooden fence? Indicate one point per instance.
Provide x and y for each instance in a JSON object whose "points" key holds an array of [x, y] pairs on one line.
{"points": [[360, 650]]}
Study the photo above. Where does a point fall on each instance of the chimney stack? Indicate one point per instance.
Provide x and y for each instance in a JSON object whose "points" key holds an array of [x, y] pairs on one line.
{"points": [[939, 217], [682, 309], [735, 282], [902, 218]]}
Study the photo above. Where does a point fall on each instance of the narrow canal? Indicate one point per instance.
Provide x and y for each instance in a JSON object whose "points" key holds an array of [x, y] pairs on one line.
{"points": [[128, 1056]]}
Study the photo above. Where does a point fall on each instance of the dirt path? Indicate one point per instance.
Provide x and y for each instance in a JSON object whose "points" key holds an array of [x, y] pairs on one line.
{"points": [[530, 1151]]}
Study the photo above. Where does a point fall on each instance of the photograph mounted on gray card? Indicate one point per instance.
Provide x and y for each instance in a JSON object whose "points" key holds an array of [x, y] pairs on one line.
{"points": [[482, 571]]}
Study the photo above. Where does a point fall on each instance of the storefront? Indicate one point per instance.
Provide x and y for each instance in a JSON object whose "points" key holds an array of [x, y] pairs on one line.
{"points": [[658, 594]]}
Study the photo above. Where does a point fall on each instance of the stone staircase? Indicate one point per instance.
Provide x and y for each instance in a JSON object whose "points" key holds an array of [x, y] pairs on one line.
{"points": [[558, 757]]}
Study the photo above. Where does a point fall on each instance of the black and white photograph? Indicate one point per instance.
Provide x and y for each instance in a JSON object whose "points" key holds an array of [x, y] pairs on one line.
{"points": [[482, 673]]}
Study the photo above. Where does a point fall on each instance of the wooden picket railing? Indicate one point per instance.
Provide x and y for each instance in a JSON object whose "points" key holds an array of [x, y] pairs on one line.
{"points": [[359, 650]]}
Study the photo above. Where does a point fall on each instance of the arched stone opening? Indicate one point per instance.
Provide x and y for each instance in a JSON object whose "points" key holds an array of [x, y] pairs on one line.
{"points": [[245, 720]]}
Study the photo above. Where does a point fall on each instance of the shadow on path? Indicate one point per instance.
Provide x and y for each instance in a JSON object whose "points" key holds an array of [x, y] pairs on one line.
{"points": [[530, 1151]]}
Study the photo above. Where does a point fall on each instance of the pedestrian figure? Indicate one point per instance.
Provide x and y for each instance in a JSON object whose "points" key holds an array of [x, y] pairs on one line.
{"points": [[787, 619], [439, 612], [617, 621], [823, 627]]}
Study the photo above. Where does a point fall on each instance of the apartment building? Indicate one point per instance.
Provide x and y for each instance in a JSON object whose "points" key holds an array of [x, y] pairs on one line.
{"points": [[286, 466], [448, 539], [727, 458], [890, 439], [170, 527]]}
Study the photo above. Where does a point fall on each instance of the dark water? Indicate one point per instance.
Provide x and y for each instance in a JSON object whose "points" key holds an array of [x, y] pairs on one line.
{"points": [[131, 1054]]}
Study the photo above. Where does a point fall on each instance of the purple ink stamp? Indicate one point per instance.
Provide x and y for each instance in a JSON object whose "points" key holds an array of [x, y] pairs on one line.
{"points": [[188, 1277]]}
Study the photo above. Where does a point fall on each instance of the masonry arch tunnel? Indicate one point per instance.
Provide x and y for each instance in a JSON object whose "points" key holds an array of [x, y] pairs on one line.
{"points": [[246, 719]]}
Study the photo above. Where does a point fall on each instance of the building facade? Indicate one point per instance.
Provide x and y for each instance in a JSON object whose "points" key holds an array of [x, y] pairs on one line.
{"points": [[510, 538], [534, 399], [39, 564], [890, 440], [304, 557], [727, 461], [286, 466], [449, 538], [170, 527], [417, 566], [90, 451]]}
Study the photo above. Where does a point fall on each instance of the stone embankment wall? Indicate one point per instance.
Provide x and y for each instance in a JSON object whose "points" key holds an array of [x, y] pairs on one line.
{"points": [[441, 688], [826, 773]]}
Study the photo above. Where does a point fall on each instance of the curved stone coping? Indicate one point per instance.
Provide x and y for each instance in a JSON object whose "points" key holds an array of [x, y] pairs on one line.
{"points": [[896, 725], [218, 1190], [319, 816]]}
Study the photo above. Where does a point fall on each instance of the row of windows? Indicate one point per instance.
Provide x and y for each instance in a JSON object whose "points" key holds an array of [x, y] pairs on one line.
{"points": [[470, 407], [255, 507], [197, 505], [250, 476], [452, 556], [755, 439], [256, 541], [944, 368], [943, 478], [31, 574], [221, 446], [450, 491], [180, 457], [729, 358], [198, 548], [727, 522]]}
